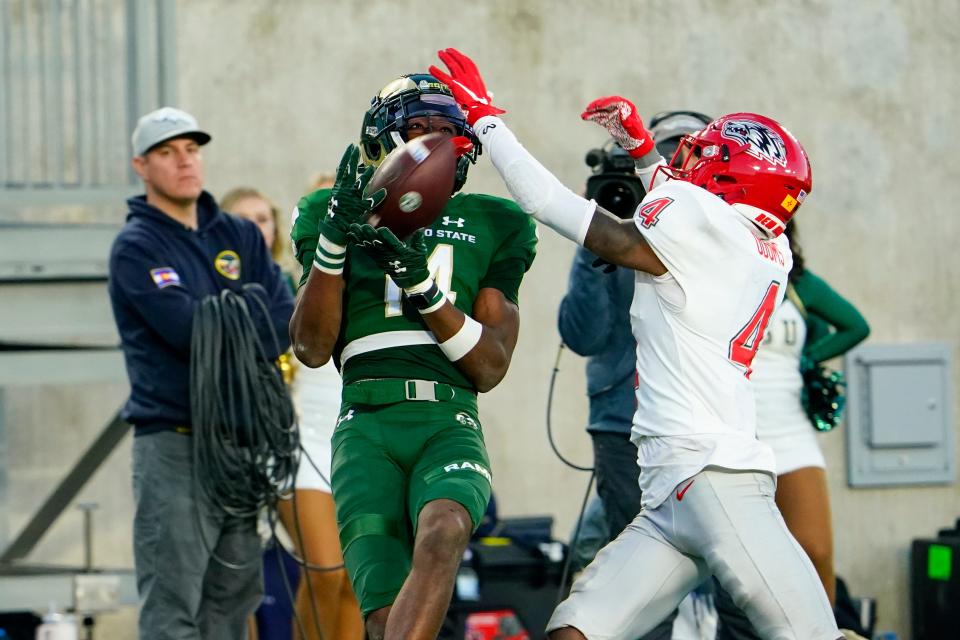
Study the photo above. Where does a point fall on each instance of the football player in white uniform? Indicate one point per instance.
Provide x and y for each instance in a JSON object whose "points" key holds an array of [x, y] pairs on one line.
{"points": [[711, 267]]}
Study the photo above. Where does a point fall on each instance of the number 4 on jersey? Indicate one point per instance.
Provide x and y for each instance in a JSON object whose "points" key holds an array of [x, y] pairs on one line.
{"points": [[650, 212], [744, 345]]}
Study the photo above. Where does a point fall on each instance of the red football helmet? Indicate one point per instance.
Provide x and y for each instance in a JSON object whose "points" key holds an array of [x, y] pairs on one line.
{"points": [[747, 159]]}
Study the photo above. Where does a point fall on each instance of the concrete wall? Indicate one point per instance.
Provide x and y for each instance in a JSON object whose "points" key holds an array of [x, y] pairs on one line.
{"points": [[865, 84]]}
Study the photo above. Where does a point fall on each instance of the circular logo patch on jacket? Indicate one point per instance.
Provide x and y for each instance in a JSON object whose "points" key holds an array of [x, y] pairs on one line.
{"points": [[227, 264]]}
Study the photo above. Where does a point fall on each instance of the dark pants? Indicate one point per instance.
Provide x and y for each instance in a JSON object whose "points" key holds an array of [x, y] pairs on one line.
{"points": [[185, 594], [615, 463], [734, 624]]}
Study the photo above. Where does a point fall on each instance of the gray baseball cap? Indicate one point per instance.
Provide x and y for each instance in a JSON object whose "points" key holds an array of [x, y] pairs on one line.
{"points": [[165, 124]]}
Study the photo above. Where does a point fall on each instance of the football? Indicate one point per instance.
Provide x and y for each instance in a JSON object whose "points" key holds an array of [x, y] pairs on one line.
{"points": [[418, 177]]}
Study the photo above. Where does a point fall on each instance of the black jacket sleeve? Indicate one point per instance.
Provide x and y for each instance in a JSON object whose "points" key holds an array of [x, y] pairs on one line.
{"points": [[586, 311], [168, 310]]}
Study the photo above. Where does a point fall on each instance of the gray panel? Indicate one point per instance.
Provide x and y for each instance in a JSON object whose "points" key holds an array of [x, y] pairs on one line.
{"points": [[54, 367], [57, 313], [55, 252], [905, 404], [53, 283], [67, 588], [899, 421]]}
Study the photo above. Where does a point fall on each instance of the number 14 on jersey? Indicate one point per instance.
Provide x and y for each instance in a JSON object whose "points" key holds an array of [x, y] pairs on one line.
{"points": [[440, 264]]}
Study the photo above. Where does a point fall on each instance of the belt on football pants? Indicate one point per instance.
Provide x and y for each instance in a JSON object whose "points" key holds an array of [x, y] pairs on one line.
{"points": [[391, 390]]}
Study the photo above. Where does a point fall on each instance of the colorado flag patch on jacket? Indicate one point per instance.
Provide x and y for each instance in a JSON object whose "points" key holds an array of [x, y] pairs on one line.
{"points": [[164, 276]]}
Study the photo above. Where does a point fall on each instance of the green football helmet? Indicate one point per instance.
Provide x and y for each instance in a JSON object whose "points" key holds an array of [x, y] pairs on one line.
{"points": [[413, 95]]}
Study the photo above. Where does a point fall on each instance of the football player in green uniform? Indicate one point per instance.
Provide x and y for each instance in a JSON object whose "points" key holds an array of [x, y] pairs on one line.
{"points": [[418, 328]]}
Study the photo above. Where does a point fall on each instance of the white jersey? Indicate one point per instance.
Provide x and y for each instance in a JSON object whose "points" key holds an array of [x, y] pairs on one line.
{"points": [[698, 327], [776, 370], [781, 421]]}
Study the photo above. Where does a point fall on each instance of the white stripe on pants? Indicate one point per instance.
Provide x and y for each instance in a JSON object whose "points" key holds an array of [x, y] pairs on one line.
{"points": [[725, 523]]}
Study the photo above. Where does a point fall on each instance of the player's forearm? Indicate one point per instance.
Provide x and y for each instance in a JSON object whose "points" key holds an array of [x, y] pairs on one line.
{"points": [[315, 324], [619, 242], [475, 349]]}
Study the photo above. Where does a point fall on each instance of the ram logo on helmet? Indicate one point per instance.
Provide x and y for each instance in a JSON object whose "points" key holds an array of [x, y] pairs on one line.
{"points": [[763, 142]]}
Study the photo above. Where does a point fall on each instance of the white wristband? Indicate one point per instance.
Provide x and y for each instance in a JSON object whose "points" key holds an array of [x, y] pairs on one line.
{"points": [[649, 175], [460, 343], [329, 257]]}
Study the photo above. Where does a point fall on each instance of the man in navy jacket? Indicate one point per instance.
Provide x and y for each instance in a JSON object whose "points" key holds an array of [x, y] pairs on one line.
{"points": [[176, 248]]}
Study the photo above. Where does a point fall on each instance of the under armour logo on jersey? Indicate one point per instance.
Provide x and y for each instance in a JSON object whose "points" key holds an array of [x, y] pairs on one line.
{"points": [[347, 416], [763, 142], [459, 221], [395, 265]]}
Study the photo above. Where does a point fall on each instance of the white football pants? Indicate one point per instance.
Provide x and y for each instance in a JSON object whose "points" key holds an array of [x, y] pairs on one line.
{"points": [[719, 522]]}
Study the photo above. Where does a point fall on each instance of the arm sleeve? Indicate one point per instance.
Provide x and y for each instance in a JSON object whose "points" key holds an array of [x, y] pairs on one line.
{"points": [[168, 310], [586, 309], [850, 328], [537, 191]]}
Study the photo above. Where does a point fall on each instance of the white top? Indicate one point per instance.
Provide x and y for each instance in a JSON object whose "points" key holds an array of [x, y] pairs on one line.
{"points": [[776, 372], [697, 328]]}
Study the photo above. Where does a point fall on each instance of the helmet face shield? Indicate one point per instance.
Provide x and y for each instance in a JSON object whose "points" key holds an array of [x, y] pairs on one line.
{"points": [[686, 156], [386, 125]]}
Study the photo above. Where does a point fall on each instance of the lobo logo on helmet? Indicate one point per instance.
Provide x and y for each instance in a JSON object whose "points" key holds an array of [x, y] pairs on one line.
{"points": [[763, 142]]}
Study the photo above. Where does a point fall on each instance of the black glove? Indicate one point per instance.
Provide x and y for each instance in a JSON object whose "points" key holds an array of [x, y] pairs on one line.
{"points": [[608, 267], [347, 204], [404, 262]]}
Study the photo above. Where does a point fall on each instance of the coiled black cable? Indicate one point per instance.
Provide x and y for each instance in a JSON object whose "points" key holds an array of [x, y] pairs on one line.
{"points": [[246, 445]]}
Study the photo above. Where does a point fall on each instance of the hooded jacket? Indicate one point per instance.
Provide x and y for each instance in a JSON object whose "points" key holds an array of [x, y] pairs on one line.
{"points": [[159, 271], [594, 321]]}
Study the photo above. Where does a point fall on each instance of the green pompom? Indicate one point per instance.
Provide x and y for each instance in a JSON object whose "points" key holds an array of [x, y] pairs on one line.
{"points": [[823, 395]]}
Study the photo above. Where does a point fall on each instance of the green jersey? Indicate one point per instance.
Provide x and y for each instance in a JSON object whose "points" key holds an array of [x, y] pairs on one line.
{"points": [[477, 241]]}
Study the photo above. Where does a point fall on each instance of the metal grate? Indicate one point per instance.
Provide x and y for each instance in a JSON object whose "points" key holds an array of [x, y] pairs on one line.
{"points": [[74, 76]]}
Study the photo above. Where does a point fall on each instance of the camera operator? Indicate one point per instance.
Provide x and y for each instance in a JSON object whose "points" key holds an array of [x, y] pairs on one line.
{"points": [[594, 321]]}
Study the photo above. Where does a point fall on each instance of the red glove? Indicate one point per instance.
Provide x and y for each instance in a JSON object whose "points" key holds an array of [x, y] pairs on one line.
{"points": [[466, 84], [619, 117]]}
